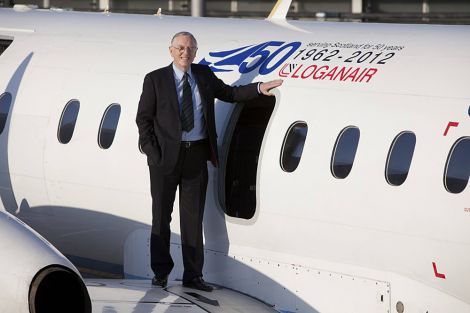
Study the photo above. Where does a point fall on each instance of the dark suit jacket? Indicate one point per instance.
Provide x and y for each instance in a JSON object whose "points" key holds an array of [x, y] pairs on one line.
{"points": [[158, 115]]}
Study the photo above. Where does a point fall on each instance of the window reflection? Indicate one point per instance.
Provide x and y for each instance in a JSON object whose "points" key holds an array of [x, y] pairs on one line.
{"points": [[399, 158], [67, 121], [457, 170], [293, 146], [344, 152], [5, 104], [4, 44], [108, 126]]}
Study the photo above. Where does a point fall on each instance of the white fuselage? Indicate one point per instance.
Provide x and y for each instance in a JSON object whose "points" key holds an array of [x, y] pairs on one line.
{"points": [[316, 243]]}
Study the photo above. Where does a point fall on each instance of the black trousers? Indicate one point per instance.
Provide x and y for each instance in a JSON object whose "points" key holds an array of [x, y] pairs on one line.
{"points": [[190, 174]]}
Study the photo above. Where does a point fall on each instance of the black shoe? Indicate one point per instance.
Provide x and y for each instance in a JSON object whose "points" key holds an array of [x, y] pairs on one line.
{"points": [[199, 284], [160, 282]]}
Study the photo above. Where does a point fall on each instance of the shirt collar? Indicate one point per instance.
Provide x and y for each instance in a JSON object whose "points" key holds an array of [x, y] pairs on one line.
{"points": [[179, 73]]}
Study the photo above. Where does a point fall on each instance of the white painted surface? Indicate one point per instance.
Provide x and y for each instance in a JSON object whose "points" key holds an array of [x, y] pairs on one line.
{"points": [[370, 236]]}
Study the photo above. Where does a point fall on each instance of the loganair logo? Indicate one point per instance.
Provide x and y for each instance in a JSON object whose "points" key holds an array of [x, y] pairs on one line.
{"points": [[263, 58]]}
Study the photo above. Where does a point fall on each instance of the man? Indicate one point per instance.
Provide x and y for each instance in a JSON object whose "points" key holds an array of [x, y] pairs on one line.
{"points": [[177, 133]]}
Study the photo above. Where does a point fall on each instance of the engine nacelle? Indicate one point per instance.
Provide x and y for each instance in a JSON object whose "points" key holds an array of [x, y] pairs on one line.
{"points": [[34, 276]]}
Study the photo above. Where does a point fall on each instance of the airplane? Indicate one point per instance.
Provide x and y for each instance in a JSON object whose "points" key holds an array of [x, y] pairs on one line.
{"points": [[345, 192]]}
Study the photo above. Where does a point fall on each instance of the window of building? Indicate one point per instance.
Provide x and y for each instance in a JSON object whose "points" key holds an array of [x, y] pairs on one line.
{"points": [[5, 104], [457, 169], [293, 146], [399, 158], [108, 126], [344, 152], [67, 121]]}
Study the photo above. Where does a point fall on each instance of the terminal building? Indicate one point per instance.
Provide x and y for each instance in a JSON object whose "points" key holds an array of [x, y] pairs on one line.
{"points": [[399, 11]]}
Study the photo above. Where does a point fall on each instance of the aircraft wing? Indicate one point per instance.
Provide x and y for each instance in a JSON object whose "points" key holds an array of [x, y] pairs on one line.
{"points": [[139, 296]]}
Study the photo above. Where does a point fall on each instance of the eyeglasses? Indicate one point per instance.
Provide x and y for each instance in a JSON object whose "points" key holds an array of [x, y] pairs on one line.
{"points": [[181, 49]]}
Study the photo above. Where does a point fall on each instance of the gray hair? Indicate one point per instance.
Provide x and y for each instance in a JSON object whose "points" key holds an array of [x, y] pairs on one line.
{"points": [[184, 33]]}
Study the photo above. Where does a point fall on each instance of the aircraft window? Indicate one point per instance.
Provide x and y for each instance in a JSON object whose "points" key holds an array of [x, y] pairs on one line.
{"points": [[67, 121], [457, 170], [293, 146], [5, 104], [399, 158], [344, 152], [108, 126], [4, 43]]}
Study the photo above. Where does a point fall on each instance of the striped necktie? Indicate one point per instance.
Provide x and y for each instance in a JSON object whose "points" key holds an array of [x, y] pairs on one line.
{"points": [[187, 114]]}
